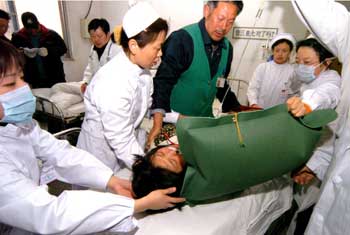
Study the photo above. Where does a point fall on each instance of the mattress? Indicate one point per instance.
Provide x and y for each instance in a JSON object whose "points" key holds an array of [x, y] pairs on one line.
{"points": [[61, 103]]}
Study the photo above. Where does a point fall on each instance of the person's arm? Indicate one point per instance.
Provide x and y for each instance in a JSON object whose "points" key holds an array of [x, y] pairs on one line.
{"points": [[176, 59], [255, 85], [225, 94], [320, 159], [88, 72], [71, 165], [156, 128], [157, 200], [54, 44], [325, 96], [17, 41], [24, 204]]}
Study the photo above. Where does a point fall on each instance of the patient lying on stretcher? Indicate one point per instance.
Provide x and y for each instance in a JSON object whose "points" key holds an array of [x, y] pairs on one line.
{"points": [[220, 162], [160, 168]]}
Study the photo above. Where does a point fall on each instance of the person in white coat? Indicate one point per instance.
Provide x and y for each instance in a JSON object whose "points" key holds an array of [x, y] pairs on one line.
{"points": [[269, 85], [320, 89], [119, 95], [102, 51], [329, 22], [26, 207], [319, 86]]}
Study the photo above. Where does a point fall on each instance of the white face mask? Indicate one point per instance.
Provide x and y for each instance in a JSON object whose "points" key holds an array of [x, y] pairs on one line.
{"points": [[306, 73], [19, 105]]}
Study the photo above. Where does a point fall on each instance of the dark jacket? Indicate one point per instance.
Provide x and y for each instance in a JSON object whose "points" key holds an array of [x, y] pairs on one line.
{"points": [[42, 71]]}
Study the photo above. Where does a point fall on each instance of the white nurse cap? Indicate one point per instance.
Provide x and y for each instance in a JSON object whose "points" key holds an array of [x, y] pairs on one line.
{"points": [[138, 18], [280, 36]]}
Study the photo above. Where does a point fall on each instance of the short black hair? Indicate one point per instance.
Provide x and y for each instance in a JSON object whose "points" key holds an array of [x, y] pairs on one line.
{"points": [[147, 178], [290, 44], [238, 4], [4, 15], [95, 23], [146, 36], [320, 50]]}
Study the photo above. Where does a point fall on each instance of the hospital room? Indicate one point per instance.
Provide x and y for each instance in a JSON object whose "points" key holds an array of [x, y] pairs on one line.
{"points": [[186, 117]]}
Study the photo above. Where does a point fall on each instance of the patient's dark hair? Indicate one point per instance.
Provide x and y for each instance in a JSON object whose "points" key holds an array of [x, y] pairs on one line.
{"points": [[147, 178]]}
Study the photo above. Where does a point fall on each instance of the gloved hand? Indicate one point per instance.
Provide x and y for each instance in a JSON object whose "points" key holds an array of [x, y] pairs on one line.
{"points": [[43, 51], [297, 107], [30, 52]]}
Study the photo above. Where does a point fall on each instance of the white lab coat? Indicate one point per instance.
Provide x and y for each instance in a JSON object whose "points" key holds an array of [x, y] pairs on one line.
{"points": [[269, 85], [26, 205], [329, 22], [116, 102], [94, 64], [323, 92]]}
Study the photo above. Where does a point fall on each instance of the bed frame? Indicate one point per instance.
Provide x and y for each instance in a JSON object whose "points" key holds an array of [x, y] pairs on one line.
{"points": [[48, 112]]}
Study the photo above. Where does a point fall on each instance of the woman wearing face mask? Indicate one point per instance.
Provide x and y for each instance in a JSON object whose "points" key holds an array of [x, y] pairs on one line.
{"points": [[268, 86], [25, 205], [319, 86], [119, 95]]}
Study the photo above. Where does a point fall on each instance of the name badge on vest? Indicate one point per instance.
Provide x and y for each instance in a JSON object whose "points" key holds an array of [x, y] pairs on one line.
{"points": [[220, 82]]}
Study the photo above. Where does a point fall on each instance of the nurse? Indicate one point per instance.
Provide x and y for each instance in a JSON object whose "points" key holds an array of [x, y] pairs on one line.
{"points": [[320, 86], [269, 84], [119, 95], [25, 206], [329, 21]]}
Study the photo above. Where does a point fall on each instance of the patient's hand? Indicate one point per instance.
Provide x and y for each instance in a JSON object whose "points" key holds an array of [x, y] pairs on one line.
{"points": [[304, 176], [120, 186], [157, 200]]}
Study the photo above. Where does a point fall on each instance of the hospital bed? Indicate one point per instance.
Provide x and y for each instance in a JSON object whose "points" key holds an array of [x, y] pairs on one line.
{"points": [[251, 213], [61, 106]]}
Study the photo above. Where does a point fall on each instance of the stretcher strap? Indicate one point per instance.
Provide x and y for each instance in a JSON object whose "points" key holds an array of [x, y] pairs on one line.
{"points": [[239, 134]]}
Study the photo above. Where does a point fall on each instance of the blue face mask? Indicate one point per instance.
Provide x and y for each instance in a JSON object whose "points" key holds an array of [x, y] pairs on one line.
{"points": [[18, 105], [305, 73]]}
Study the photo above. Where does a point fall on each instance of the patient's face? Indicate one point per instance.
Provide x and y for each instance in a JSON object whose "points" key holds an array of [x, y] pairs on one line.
{"points": [[169, 158]]}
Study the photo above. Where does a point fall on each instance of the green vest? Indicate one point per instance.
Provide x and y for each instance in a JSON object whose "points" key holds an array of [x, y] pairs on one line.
{"points": [[194, 93]]}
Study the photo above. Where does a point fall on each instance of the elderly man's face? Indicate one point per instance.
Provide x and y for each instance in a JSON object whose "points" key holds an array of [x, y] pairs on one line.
{"points": [[4, 25], [219, 21], [169, 158]]}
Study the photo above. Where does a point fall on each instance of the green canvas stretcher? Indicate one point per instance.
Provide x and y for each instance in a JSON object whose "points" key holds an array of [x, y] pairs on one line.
{"points": [[229, 154]]}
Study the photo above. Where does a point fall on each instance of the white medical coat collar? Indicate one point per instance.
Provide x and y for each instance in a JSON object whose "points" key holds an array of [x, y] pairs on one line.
{"points": [[134, 68]]}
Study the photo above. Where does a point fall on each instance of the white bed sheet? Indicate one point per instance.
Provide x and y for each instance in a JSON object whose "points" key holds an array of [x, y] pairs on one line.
{"points": [[250, 214], [66, 96]]}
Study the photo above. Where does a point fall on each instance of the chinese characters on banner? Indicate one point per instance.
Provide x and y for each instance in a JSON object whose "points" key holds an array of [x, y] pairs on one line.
{"points": [[254, 33]]}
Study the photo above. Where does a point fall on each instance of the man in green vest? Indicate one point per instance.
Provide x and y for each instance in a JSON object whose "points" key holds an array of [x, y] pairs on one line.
{"points": [[195, 61]]}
